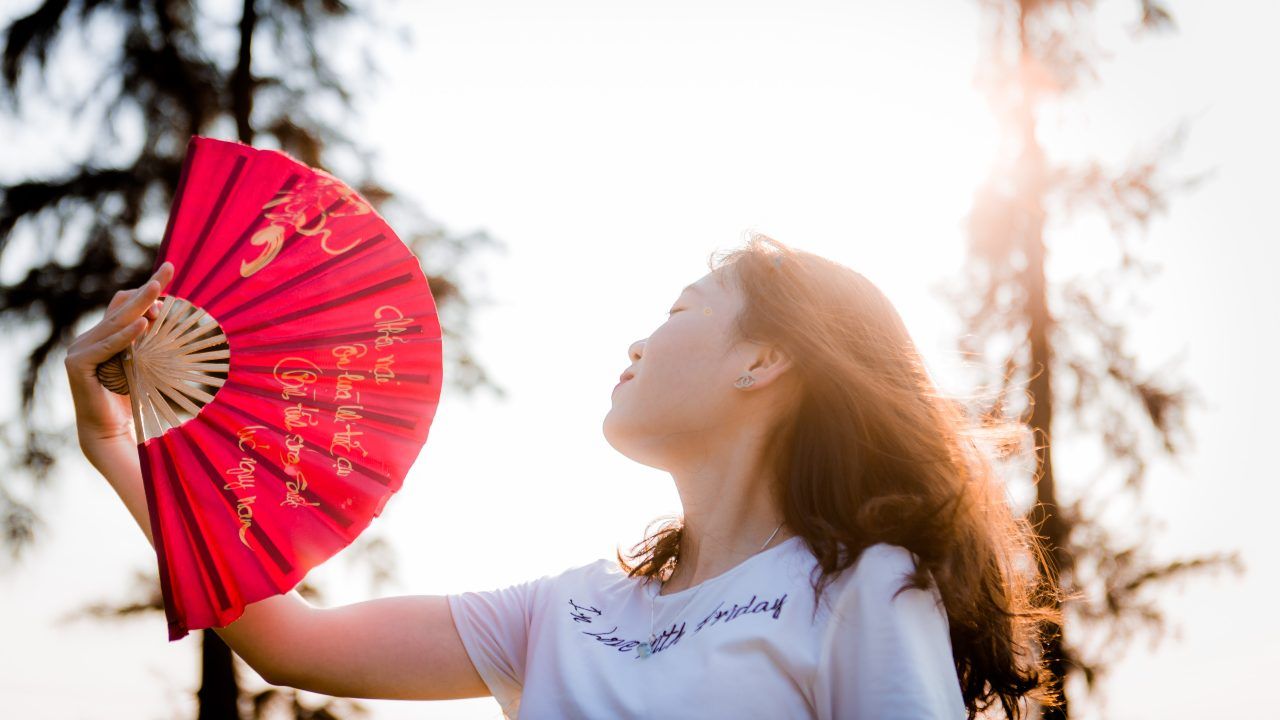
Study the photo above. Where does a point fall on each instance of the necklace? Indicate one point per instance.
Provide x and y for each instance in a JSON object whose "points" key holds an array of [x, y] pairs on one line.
{"points": [[645, 649]]}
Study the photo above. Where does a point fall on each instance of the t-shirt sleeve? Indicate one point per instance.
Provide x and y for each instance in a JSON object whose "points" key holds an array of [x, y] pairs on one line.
{"points": [[494, 627], [886, 658]]}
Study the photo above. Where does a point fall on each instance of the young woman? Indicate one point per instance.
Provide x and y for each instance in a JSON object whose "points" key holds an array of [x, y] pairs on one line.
{"points": [[845, 549]]}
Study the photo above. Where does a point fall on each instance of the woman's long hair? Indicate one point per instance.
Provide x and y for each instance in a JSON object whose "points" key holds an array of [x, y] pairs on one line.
{"points": [[872, 452]]}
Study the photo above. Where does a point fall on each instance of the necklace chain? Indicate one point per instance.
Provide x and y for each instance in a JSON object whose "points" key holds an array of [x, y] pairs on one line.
{"points": [[645, 649]]}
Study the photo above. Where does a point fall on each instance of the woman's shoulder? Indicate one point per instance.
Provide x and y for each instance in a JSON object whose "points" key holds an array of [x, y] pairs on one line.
{"points": [[881, 574], [883, 557]]}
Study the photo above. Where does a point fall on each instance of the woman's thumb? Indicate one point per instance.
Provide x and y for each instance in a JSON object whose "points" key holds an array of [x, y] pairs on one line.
{"points": [[104, 349]]}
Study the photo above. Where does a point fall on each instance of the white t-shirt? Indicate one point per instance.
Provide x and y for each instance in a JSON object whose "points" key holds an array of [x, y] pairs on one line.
{"points": [[743, 644]]}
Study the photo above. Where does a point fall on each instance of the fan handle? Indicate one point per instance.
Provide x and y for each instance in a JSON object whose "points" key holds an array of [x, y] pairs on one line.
{"points": [[115, 374], [172, 370]]}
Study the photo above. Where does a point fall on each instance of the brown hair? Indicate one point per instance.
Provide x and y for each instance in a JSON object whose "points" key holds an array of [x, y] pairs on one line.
{"points": [[871, 452]]}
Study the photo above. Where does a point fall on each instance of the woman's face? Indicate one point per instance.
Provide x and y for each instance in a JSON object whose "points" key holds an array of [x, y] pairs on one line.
{"points": [[681, 392]]}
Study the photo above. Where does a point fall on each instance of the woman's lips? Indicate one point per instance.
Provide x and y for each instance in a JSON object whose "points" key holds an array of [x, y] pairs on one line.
{"points": [[625, 376]]}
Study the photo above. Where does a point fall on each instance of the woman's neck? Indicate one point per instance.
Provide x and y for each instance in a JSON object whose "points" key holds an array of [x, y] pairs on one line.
{"points": [[729, 511], [702, 559]]}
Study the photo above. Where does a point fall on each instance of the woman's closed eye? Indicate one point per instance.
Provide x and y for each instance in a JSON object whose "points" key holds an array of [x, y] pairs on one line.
{"points": [[673, 311]]}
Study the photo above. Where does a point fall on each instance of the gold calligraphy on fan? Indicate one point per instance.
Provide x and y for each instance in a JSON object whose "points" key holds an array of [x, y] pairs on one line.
{"points": [[390, 327], [244, 476], [304, 211], [298, 416], [299, 381], [293, 489], [294, 380]]}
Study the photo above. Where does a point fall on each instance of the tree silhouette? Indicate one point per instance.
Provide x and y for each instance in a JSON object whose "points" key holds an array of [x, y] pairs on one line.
{"points": [[1047, 339], [171, 76]]}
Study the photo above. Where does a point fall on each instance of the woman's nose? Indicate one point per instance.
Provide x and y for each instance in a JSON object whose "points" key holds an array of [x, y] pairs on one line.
{"points": [[633, 352]]}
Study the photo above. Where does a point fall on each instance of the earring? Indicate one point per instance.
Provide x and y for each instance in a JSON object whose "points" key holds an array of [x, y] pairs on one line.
{"points": [[745, 381]]}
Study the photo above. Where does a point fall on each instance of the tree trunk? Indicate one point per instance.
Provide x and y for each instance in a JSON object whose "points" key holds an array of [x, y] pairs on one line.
{"points": [[1045, 516], [219, 692], [242, 77]]}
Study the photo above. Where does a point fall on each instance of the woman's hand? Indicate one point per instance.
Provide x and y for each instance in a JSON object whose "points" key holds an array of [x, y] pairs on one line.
{"points": [[101, 415]]}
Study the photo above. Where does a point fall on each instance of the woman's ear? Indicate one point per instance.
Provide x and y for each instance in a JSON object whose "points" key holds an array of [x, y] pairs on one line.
{"points": [[770, 364]]}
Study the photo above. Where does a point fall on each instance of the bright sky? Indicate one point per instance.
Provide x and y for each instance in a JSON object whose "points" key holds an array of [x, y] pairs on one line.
{"points": [[613, 146]]}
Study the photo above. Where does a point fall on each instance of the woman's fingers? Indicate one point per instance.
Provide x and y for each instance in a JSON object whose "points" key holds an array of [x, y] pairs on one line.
{"points": [[127, 312], [102, 350], [119, 297], [130, 305], [162, 276], [100, 413], [122, 295], [85, 353], [164, 273]]}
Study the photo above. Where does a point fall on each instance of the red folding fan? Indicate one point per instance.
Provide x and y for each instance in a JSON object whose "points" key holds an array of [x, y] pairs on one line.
{"points": [[286, 385]]}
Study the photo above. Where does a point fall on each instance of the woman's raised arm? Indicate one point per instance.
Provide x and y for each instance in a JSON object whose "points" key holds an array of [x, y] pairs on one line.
{"points": [[404, 648]]}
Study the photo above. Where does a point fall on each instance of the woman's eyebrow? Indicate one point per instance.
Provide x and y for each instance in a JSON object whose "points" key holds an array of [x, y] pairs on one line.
{"points": [[690, 287]]}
